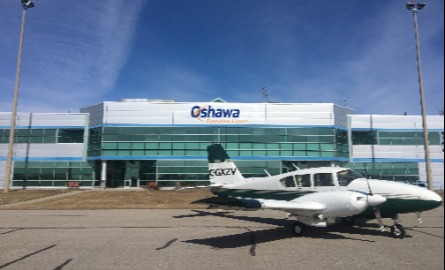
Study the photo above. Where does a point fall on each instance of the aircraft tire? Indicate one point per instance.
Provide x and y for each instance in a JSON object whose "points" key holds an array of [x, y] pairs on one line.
{"points": [[298, 229], [398, 231], [348, 221]]}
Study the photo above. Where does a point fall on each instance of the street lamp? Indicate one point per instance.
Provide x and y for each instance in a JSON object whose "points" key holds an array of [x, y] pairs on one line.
{"points": [[414, 7], [26, 4]]}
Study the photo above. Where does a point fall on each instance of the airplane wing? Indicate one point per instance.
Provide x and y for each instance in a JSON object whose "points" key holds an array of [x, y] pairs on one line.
{"points": [[294, 206], [329, 204], [302, 207], [200, 187]]}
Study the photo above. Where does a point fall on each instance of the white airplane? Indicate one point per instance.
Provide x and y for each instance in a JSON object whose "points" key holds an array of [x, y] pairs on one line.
{"points": [[316, 196]]}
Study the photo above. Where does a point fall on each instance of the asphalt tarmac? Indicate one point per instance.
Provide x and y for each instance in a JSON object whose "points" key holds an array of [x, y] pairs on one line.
{"points": [[209, 239]]}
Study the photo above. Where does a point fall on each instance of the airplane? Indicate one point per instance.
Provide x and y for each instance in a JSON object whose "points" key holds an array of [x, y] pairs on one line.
{"points": [[316, 197]]}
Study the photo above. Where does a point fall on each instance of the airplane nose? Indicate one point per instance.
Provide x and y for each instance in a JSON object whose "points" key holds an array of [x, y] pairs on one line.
{"points": [[374, 200], [433, 196]]}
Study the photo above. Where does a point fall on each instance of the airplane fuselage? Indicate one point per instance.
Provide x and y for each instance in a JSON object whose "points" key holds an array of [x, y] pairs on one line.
{"points": [[400, 197]]}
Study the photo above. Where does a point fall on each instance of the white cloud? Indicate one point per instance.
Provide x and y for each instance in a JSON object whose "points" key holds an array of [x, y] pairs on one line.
{"points": [[73, 53]]}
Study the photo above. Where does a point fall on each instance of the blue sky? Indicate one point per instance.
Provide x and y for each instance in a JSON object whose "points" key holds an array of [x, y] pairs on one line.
{"points": [[350, 52]]}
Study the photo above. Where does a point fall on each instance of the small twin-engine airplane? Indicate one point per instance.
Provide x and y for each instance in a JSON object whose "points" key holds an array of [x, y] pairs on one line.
{"points": [[316, 196]]}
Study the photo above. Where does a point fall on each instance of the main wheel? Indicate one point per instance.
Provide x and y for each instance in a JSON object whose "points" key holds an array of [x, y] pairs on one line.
{"points": [[398, 231], [298, 228], [348, 221]]}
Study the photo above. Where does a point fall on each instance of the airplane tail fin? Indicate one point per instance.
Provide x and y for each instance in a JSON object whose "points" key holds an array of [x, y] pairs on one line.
{"points": [[222, 171]]}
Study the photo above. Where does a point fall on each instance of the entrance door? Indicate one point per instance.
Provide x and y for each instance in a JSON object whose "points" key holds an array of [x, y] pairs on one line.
{"points": [[132, 168]]}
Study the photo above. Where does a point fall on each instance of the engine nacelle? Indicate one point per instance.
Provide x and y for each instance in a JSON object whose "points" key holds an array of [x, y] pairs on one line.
{"points": [[340, 203]]}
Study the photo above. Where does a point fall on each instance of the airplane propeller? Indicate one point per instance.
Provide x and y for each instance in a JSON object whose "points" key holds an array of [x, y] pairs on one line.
{"points": [[377, 213], [378, 216]]}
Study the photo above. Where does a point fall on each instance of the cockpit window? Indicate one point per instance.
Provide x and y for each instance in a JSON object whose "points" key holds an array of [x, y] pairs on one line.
{"points": [[288, 181], [323, 180], [347, 176]]}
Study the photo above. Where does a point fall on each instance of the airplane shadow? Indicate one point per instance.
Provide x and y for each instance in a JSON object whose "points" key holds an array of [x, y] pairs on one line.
{"points": [[228, 214], [283, 231], [361, 229]]}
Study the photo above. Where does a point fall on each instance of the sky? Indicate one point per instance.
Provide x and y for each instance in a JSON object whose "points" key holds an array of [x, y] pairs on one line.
{"points": [[355, 53]]}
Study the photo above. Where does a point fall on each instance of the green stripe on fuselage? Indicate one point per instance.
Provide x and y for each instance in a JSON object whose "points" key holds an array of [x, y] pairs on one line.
{"points": [[392, 207], [282, 195]]}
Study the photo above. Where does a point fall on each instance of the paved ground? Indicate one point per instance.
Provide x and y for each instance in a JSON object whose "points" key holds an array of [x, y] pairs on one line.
{"points": [[207, 239]]}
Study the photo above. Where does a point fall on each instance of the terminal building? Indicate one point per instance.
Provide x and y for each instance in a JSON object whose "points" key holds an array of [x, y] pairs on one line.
{"points": [[134, 142]]}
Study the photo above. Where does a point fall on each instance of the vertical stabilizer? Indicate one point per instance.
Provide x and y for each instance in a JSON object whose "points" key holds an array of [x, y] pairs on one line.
{"points": [[222, 171]]}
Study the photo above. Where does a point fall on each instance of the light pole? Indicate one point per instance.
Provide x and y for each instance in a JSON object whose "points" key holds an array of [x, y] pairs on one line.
{"points": [[414, 7], [26, 4]]}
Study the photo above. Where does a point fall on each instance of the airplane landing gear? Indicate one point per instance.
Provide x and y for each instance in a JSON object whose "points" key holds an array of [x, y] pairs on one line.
{"points": [[348, 221], [298, 228], [398, 231]]}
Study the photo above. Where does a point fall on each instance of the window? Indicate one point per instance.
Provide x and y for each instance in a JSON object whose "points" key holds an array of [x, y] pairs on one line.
{"points": [[288, 181], [364, 137], [29, 135], [407, 138], [323, 180], [347, 176], [70, 136], [303, 180]]}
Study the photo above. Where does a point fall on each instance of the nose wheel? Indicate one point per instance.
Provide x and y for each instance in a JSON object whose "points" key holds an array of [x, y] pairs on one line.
{"points": [[398, 231]]}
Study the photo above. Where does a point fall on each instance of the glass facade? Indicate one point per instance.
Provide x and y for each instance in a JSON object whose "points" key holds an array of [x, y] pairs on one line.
{"points": [[52, 173], [394, 171], [49, 171], [178, 154], [394, 137], [246, 142], [35, 135], [142, 143]]}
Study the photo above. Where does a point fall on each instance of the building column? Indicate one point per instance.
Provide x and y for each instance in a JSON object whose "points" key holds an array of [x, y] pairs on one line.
{"points": [[103, 175]]}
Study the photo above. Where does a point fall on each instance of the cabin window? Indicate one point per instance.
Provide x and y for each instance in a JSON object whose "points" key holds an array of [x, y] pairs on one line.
{"points": [[288, 181], [347, 176], [323, 180], [303, 180]]}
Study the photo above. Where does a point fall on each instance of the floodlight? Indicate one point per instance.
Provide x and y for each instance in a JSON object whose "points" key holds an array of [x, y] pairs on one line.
{"points": [[414, 6], [27, 4], [410, 5]]}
